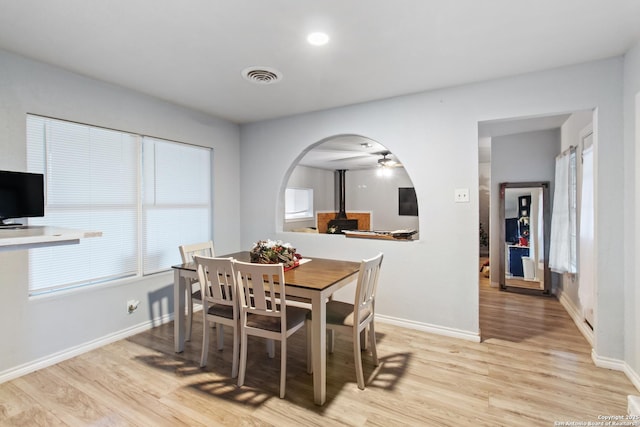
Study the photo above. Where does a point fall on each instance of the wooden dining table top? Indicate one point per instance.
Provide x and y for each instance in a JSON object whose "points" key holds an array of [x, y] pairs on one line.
{"points": [[317, 273]]}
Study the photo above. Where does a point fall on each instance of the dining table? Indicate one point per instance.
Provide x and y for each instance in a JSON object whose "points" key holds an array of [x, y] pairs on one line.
{"points": [[314, 279]]}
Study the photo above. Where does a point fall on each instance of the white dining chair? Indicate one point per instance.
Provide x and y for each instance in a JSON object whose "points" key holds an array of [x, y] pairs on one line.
{"points": [[219, 305], [194, 291], [264, 311], [354, 319]]}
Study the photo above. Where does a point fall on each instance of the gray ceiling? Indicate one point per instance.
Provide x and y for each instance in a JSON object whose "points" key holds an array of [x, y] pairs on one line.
{"points": [[192, 52]]}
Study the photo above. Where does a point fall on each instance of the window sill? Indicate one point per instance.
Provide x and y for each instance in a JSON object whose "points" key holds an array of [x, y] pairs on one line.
{"points": [[34, 236], [308, 218]]}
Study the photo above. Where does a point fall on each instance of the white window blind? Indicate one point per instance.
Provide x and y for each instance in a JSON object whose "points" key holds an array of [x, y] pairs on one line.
{"points": [[176, 195], [298, 203], [147, 196], [91, 184]]}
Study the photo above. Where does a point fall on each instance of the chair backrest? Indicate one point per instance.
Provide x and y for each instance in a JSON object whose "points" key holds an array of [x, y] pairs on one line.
{"points": [[187, 252], [366, 287], [261, 289], [219, 275]]}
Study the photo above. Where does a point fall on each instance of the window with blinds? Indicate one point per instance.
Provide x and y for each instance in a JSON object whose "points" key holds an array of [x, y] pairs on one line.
{"points": [[176, 206], [298, 203], [147, 196]]}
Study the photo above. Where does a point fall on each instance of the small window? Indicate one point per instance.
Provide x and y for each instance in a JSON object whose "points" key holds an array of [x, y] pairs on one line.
{"points": [[298, 203]]}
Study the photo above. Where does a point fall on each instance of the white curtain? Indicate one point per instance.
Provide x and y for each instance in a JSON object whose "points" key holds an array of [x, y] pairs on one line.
{"points": [[586, 287], [562, 245], [540, 230], [534, 227]]}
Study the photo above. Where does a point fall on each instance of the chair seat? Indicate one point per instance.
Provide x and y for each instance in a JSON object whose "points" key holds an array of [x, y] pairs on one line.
{"points": [[221, 310], [295, 315], [197, 295], [341, 313]]}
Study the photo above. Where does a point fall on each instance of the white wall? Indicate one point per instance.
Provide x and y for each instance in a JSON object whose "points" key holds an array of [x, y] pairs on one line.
{"points": [[484, 200], [322, 182], [631, 253], [366, 191], [433, 283], [34, 330], [523, 157]]}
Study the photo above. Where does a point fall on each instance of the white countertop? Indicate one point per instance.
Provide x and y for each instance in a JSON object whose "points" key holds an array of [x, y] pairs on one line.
{"points": [[33, 236]]}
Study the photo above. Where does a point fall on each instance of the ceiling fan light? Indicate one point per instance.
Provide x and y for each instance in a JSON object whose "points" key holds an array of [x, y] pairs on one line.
{"points": [[384, 171], [386, 162]]}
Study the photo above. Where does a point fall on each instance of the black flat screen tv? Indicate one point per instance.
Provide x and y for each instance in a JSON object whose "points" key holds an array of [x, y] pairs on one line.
{"points": [[21, 195], [407, 201]]}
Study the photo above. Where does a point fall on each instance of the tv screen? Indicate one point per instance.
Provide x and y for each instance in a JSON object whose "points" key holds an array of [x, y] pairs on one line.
{"points": [[511, 233], [21, 195], [407, 201]]}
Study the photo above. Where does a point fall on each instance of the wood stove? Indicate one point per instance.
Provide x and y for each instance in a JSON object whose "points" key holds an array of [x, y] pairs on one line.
{"points": [[341, 222]]}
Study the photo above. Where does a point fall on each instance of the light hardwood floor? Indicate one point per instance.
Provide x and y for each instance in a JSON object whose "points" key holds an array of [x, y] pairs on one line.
{"points": [[532, 368]]}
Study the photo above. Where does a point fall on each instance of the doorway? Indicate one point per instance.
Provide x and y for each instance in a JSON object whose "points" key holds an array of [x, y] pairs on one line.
{"points": [[523, 150]]}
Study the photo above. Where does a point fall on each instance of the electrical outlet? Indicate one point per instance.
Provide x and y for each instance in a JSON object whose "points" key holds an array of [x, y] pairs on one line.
{"points": [[132, 305], [461, 195]]}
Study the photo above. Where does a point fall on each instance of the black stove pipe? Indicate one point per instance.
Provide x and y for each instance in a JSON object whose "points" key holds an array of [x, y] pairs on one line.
{"points": [[341, 190]]}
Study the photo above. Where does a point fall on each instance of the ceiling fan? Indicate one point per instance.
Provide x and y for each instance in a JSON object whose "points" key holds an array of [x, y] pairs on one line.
{"points": [[350, 153], [387, 162]]}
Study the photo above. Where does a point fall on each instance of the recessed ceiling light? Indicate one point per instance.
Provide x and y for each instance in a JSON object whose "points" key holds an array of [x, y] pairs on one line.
{"points": [[318, 39]]}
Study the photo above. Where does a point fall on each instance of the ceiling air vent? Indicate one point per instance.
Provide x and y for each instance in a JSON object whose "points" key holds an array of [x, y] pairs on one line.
{"points": [[261, 75]]}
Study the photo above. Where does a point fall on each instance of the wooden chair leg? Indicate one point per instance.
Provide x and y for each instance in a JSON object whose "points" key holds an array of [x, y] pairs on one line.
{"points": [[271, 348], [189, 314], [205, 344], [331, 340], [357, 358], [220, 332], [236, 348], [372, 340], [243, 359], [283, 367]]}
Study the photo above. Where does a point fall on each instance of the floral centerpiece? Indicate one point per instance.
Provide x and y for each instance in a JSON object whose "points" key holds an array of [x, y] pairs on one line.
{"points": [[274, 252]]}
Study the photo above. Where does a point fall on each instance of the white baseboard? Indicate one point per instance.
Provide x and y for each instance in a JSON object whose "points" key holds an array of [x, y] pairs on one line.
{"points": [[607, 362], [633, 405], [599, 361], [576, 315], [633, 377], [616, 365], [425, 327], [69, 353]]}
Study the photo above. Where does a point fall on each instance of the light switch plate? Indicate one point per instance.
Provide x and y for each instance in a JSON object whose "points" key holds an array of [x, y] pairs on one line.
{"points": [[461, 195]]}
